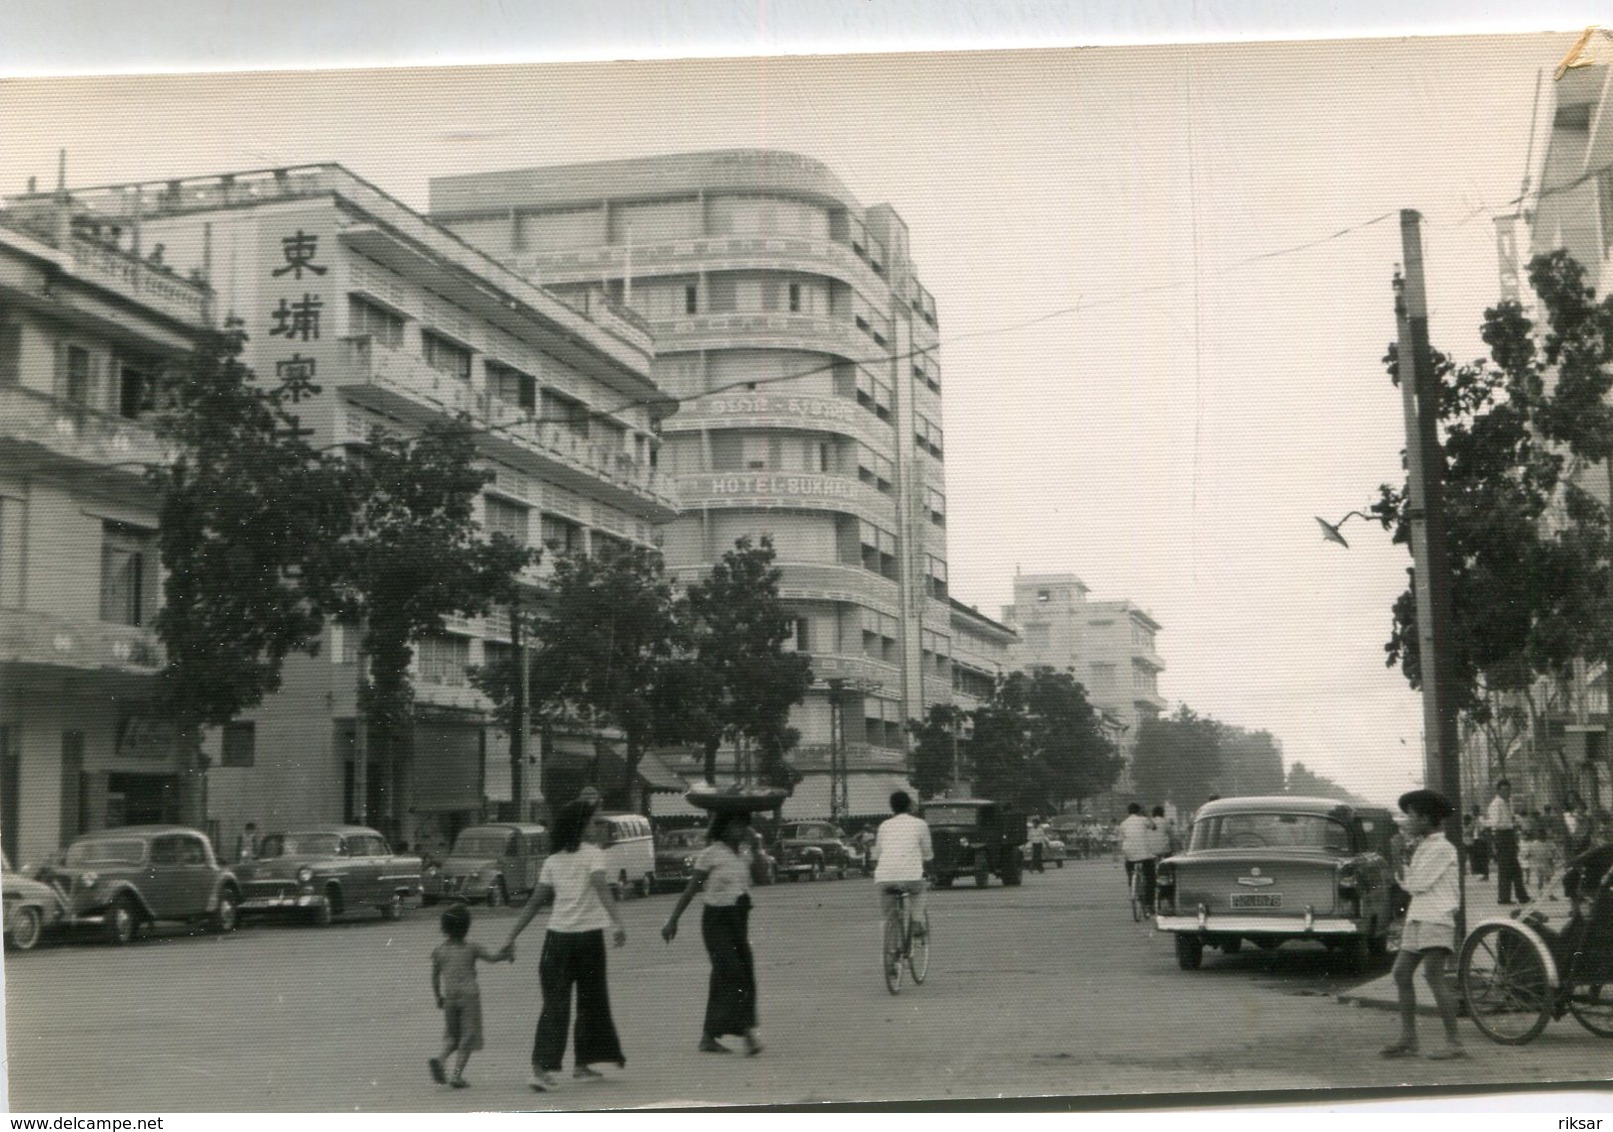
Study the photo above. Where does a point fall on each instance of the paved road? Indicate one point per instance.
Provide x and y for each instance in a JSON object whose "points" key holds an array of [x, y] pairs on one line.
{"points": [[1046, 989]]}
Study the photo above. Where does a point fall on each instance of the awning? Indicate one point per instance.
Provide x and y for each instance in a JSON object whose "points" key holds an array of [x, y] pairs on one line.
{"points": [[867, 796], [659, 777]]}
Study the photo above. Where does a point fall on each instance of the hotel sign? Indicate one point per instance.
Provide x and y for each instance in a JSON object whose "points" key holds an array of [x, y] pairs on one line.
{"points": [[817, 487], [800, 408]]}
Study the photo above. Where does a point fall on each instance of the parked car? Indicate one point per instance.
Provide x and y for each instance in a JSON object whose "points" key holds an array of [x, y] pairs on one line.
{"points": [[975, 837], [675, 853], [1053, 851], [811, 849], [494, 863], [32, 908], [323, 871], [120, 880], [1274, 869]]}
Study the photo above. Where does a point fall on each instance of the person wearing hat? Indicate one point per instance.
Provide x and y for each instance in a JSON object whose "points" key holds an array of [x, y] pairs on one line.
{"points": [[1432, 879]]}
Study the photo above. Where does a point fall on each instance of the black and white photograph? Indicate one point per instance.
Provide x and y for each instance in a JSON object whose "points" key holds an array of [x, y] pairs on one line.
{"points": [[984, 573]]}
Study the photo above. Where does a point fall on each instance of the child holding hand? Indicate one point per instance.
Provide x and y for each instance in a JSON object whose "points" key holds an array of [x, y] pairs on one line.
{"points": [[453, 981]]}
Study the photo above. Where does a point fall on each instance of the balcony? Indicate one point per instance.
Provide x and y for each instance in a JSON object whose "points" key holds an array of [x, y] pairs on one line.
{"points": [[775, 331], [136, 279], [1143, 656], [713, 253], [47, 434], [839, 415], [48, 641], [820, 581], [403, 385], [814, 757], [857, 671], [793, 490]]}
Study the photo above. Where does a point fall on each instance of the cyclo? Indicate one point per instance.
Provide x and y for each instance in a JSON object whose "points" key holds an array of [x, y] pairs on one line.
{"points": [[1519, 973]]}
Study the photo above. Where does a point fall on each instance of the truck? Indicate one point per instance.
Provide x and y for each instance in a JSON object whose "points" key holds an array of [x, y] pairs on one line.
{"points": [[975, 837]]}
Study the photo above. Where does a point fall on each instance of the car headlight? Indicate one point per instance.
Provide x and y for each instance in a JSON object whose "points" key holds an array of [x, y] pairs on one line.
{"points": [[88, 880], [304, 875], [432, 871]]}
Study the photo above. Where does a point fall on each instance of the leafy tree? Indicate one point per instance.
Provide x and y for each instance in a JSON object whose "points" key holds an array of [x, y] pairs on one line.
{"points": [[1250, 762], [248, 514], [1037, 743], [608, 649], [1302, 782], [935, 743], [744, 682], [413, 556], [1178, 758], [1527, 544]]}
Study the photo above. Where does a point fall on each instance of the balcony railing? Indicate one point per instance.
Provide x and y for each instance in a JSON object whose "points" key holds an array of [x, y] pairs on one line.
{"points": [[137, 279], [854, 670], [76, 434], [778, 331], [28, 637], [713, 253]]}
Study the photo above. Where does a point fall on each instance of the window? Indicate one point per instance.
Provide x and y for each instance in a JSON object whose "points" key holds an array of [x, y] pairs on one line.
{"points": [[1044, 596], [560, 535], [505, 518], [881, 634], [442, 659], [446, 357], [239, 744], [800, 638], [927, 435], [874, 470], [795, 298], [512, 386], [78, 375], [128, 574], [564, 411], [878, 547], [937, 505], [938, 577], [927, 370], [137, 392], [873, 394], [691, 299], [378, 322], [936, 648]]}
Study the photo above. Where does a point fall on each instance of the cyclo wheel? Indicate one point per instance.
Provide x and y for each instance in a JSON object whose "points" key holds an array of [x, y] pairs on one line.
{"points": [[891, 957], [1136, 887], [918, 951], [1592, 1007], [1504, 984]]}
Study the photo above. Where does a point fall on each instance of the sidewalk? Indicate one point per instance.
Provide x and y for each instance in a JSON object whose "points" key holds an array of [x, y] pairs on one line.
{"points": [[1380, 992]]}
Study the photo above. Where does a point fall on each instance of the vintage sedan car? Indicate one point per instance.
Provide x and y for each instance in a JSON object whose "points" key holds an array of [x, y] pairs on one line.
{"points": [[1054, 850], [322, 871], [1274, 869], [493, 863], [675, 853], [32, 908], [120, 880], [811, 849]]}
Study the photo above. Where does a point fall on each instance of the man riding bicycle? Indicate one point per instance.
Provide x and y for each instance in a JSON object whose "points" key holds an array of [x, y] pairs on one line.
{"points": [[905, 855], [1139, 849]]}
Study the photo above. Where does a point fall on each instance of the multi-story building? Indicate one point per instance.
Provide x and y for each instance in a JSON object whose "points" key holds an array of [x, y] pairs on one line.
{"points": [[399, 323], [982, 652], [791, 324], [86, 322], [1108, 645]]}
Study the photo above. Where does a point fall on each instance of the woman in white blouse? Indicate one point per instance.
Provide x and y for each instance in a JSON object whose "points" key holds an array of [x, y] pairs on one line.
{"points": [[722, 874]]}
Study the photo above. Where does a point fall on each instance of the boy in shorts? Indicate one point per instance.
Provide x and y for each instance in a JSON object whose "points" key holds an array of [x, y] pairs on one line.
{"points": [[1430, 931], [453, 981]]}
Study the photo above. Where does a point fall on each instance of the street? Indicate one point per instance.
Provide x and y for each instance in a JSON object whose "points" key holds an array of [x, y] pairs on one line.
{"points": [[1045, 989]]}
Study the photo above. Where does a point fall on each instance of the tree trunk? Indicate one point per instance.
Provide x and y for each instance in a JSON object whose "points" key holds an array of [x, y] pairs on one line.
{"points": [[192, 766]]}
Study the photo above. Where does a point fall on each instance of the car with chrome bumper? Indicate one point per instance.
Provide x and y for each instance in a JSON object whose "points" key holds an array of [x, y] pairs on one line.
{"points": [[811, 850], [118, 881], [32, 908], [321, 872], [491, 864], [1271, 870]]}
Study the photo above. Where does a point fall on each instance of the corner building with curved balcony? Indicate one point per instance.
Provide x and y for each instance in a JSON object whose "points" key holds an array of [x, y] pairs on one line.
{"points": [[790, 323]]}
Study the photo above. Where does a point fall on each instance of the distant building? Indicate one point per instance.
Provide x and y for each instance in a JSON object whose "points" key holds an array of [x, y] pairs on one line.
{"points": [[86, 323], [1108, 645], [982, 653], [791, 322], [400, 323]]}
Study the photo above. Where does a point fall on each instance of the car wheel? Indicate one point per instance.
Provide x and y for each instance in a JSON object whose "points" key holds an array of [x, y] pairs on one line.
{"points": [[324, 911], [496, 896], [227, 916], [27, 929], [840, 873], [121, 921], [1059, 862], [1189, 952], [393, 909]]}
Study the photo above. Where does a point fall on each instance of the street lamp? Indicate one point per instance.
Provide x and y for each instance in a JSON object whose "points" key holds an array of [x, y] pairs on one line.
{"points": [[1330, 531]]}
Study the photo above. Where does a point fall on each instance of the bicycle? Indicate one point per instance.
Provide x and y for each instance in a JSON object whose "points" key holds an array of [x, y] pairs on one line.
{"points": [[1137, 884], [902, 946]]}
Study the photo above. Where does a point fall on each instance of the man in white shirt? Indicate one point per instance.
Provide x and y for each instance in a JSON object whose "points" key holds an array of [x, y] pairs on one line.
{"points": [[1137, 848], [905, 855], [1037, 836], [1503, 825]]}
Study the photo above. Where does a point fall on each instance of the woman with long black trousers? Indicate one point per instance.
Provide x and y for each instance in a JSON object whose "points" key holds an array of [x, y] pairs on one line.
{"points": [[722, 874], [573, 879]]}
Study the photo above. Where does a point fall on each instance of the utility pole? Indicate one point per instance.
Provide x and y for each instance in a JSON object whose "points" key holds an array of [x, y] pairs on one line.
{"points": [[1419, 387], [520, 720], [361, 738]]}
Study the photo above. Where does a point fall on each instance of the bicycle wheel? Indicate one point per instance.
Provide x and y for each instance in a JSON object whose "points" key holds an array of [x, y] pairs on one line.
{"points": [[1504, 984], [918, 950], [1592, 1007], [1136, 895], [890, 959]]}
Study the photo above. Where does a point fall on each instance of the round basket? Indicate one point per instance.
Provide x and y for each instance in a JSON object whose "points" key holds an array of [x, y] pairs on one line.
{"points": [[730, 801]]}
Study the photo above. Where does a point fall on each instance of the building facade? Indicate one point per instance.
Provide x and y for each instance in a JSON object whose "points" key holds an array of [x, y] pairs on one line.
{"points": [[982, 653], [790, 323], [86, 322], [399, 323], [1110, 647]]}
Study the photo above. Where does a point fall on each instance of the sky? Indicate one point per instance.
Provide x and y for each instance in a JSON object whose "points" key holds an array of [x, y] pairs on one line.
{"points": [[1163, 271]]}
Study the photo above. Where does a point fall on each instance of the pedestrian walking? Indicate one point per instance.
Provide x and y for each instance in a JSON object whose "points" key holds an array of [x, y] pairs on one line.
{"points": [[459, 997], [1503, 823], [573, 880], [722, 877], [1037, 836], [1429, 936]]}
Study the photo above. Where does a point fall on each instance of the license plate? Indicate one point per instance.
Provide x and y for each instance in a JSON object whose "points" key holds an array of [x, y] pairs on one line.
{"points": [[1257, 900]]}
